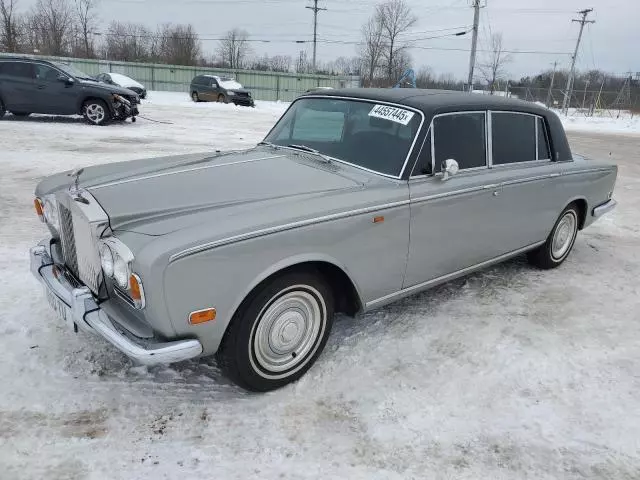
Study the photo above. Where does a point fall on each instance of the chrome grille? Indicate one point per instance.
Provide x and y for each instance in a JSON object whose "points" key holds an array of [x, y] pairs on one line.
{"points": [[68, 239], [80, 247]]}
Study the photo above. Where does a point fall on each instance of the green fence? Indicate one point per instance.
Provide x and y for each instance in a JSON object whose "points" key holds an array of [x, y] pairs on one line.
{"points": [[176, 78]]}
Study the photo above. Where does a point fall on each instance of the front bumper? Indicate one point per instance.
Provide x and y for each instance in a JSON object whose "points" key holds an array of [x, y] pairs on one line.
{"points": [[82, 310], [244, 101]]}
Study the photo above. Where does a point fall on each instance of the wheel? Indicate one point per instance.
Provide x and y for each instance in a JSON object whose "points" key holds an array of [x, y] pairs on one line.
{"points": [[96, 112], [195, 97], [221, 99], [2, 109], [560, 241], [278, 332], [21, 114]]}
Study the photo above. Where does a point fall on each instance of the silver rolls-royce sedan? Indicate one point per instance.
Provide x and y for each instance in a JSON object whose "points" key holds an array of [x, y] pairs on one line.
{"points": [[354, 199]]}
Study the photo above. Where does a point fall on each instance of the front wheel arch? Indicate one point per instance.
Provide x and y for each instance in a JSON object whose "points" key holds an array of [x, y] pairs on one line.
{"points": [[347, 295]]}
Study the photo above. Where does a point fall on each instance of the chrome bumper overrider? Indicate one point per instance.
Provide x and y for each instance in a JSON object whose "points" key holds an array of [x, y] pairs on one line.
{"points": [[604, 208], [88, 316]]}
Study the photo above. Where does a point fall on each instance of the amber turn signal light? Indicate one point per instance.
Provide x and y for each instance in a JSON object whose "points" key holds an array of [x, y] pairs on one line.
{"points": [[134, 288], [39, 210], [202, 316]]}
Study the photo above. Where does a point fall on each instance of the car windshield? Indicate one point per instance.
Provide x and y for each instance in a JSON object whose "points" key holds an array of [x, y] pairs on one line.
{"points": [[370, 135], [73, 71]]}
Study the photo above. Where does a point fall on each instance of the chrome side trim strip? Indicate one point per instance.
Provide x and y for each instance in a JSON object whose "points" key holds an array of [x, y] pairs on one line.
{"points": [[454, 193], [280, 228], [175, 172], [444, 278], [587, 170], [518, 181]]}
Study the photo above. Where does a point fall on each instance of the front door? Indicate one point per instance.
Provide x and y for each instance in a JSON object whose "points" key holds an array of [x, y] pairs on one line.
{"points": [[453, 221], [52, 94]]}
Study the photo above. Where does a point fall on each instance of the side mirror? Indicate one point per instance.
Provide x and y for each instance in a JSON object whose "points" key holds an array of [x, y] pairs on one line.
{"points": [[449, 168], [68, 81]]}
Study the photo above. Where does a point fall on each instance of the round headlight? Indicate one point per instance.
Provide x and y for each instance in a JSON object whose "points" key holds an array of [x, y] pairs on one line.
{"points": [[121, 272], [50, 212], [106, 259]]}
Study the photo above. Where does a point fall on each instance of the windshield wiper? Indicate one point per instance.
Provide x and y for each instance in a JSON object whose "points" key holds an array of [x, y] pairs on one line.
{"points": [[304, 148]]}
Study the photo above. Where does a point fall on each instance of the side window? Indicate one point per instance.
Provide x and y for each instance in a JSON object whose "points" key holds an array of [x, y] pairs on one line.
{"points": [[423, 165], [544, 152], [513, 137], [16, 69], [462, 137], [46, 74], [214, 83]]}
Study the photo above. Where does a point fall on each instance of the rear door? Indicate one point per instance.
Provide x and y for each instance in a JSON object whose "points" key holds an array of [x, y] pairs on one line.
{"points": [[453, 222], [17, 85], [52, 94], [532, 193]]}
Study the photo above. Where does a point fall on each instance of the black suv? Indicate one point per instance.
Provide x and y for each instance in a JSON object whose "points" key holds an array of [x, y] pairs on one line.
{"points": [[211, 88], [37, 86]]}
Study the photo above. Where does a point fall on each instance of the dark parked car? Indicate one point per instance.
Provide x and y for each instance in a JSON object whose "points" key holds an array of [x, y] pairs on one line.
{"points": [[37, 86], [211, 88], [124, 82]]}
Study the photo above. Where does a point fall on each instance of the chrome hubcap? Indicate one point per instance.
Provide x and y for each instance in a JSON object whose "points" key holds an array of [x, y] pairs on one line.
{"points": [[563, 236], [287, 331], [95, 112]]}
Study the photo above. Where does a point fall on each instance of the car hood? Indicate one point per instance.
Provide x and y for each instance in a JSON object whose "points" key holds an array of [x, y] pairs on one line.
{"points": [[106, 87], [159, 196], [238, 90]]}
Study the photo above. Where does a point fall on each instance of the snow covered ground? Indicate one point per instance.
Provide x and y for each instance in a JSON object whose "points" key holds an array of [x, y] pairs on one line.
{"points": [[512, 373], [605, 121]]}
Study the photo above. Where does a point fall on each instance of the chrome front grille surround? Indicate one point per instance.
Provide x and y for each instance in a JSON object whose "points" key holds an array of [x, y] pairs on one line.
{"points": [[79, 227]]}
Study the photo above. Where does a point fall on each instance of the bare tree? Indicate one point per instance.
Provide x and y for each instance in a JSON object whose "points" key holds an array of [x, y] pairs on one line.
{"points": [[280, 63], [396, 18], [129, 42], [10, 26], [234, 48], [178, 44], [85, 18], [50, 26], [372, 47], [493, 69]]}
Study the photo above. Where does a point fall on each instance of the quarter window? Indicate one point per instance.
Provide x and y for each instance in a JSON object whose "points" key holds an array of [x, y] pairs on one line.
{"points": [[514, 137], [462, 137]]}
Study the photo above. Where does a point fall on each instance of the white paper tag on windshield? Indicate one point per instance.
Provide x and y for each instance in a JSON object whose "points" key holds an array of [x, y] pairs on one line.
{"points": [[394, 114]]}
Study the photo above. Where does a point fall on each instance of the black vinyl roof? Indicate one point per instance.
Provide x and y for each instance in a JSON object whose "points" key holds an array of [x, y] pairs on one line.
{"points": [[433, 102], [436, 101]]}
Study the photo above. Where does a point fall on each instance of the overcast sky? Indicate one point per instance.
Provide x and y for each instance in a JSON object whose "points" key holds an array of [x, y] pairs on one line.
{"points": [[611, 44]]}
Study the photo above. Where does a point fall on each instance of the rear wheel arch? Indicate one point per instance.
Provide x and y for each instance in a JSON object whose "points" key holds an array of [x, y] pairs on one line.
{"points": [[581, 203]]}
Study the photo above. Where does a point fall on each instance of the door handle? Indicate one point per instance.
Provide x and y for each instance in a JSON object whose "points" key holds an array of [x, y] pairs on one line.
{"points": [[496, 193], [41, 87]]}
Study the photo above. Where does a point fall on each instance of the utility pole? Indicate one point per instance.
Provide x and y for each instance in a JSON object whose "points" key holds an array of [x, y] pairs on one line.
{"points": [[315, 9], [553, 77], [474, 42], [567, 94]]}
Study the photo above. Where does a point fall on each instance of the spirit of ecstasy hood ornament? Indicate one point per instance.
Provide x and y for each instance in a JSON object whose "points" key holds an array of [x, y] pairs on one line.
{"points": [[74, 189]]}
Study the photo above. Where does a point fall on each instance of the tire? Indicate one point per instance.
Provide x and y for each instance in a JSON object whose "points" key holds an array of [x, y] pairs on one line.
{"points": [[560, 241], [21, 114], [195, 97], [278, 332], [221, 99], [2, 109], [95, 112]]}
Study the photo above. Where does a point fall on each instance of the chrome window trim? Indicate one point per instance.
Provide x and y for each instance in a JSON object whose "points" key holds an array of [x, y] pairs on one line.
{"points": [[281, 228], [375, 102], [422, 175], [449, 276], [489, 140], [536, 117], [461, 112]]}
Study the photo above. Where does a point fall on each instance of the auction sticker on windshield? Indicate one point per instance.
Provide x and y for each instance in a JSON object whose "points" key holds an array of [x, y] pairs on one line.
{"points": [[394, 114]]}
